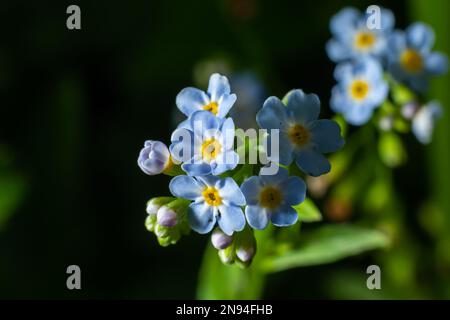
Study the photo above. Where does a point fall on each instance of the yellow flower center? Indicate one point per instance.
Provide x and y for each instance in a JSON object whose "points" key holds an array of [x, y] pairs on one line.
{"points": [[211, 149], [270, 197], [299, 135], [411, 61], [359, 89], [211, 107], [211, 196], [364, 40]]}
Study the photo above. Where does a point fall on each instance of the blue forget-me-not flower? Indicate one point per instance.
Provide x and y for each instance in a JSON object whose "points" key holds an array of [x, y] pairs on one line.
{"points": [[204, 144], [218, 99], [271, 197], [302, 137], [214, 200], [410, 57], [353, 39], [360, 89]]}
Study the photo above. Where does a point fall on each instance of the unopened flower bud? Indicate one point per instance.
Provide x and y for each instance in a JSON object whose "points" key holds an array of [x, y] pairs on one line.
{"points": [[386, 123], [171, 237], [220, 240], [172, 213], [161, 231], [166, 217], [245, 254], [409, 109], [245, 245], [154, 158], [154, 204], [227, 255], [150, 222]]}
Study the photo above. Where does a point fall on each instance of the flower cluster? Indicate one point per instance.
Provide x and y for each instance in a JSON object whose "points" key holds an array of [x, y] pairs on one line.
{"points": [[213, 190], [381, 71]]}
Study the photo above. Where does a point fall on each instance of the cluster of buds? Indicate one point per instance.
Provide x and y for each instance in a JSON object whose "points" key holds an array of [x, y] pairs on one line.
{"points": [[167, 219], [240, 248]]}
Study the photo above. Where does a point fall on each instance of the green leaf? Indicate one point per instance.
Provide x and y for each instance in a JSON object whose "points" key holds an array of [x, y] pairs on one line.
{"points": [[342, 124], [243, 173], [326, 245], [307, 211]]}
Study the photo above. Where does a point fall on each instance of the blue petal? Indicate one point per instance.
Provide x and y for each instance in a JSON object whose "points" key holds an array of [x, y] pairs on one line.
{"points": [[204, 122], [185, 187], [344, 21], [230, 192], [387, 19], [343, 72], [231, 219], [190, 100], [337, 51], [285, 151], [436, 63], [257, 217], [338, 101], [312, 162], [210, 181], [275, 179], [371, 68], [201, 217], [285, 216], [227, 134], [196, 169], [396, 44], [326, 135], [378, 94], [181, 147], [357, 114], [251, 188], [273, 114], [282, 146], [218, 86], [185, 124], [304, 107], [225, 104], [227, 160], [294, 190], [420, 36]]}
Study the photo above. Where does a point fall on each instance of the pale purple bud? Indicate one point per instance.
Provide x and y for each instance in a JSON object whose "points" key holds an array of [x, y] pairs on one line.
{"points": [[220, 240], [245, 254], [152, 208], [409, 109], [154, 158], [166, 217]]}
